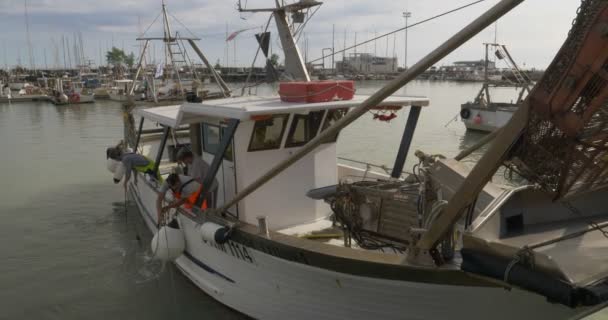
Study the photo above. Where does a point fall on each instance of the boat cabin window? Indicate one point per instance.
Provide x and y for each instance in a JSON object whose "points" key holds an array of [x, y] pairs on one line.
{"points": [[304, 128], [268, 132], [332, 117], [211, 140]]}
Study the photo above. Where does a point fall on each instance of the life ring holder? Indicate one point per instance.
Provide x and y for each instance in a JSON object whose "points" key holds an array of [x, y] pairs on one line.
{"points": [[465, 113]]}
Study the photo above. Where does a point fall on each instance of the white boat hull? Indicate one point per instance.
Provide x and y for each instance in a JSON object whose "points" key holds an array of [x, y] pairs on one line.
{"points": [[267, 286], [488, 120], [118, 97], [16, 86], [86, 98]]}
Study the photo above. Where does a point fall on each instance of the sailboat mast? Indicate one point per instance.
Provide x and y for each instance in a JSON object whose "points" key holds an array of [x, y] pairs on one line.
{"points": [[29, 40], [167, 32]]}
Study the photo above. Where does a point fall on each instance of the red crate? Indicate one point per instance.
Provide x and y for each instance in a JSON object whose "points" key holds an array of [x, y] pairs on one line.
{"points": [[317, 91]]}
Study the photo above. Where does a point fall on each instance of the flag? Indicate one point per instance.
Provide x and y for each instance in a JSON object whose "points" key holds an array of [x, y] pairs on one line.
{"points": [[159, 70], [264, 41], [234, 34]]}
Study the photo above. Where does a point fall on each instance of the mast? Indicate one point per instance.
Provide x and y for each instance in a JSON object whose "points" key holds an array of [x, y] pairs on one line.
{"points": [[294, 64], [486, 85], [29, 40], [174, 47]]}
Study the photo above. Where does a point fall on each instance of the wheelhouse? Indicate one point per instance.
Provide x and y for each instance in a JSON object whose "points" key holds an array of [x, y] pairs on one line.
{"points": [[258, 133]]}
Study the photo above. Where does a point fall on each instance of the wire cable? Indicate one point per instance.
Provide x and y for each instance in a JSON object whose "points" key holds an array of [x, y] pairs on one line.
{"points": [[400, 29]]}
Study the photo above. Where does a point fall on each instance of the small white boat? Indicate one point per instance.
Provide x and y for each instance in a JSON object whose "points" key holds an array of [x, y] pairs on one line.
{"points": [[120, 90], [71, 92], [483, 114]]}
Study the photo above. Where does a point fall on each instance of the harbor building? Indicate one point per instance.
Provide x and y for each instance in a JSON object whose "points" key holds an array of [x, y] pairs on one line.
{"points": [[367, 63]]}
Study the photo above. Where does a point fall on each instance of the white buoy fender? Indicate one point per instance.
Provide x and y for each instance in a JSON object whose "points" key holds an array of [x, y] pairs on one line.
{"points": [[119, 172], [111, 164], [214, 232], [63, 98], [168, 244]]}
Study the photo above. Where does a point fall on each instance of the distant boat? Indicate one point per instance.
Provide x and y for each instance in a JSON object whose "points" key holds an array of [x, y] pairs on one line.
{"points": [[119, 91], [483, 114], [67, 91]]}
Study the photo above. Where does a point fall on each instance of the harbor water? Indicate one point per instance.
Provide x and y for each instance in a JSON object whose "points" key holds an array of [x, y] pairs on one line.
{"points": [[72, 249]]}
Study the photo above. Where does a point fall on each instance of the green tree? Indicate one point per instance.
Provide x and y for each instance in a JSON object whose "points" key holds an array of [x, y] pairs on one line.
{"points": [[274, 59], [217, 65], [116, 56], [130, 60]]}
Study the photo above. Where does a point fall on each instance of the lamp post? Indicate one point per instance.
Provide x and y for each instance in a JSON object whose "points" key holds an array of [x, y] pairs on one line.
{"points": [[332, 56], [406, 15]]}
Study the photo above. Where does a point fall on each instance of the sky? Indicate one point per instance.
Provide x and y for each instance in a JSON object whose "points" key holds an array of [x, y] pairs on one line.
{"points": [[533, 32]]}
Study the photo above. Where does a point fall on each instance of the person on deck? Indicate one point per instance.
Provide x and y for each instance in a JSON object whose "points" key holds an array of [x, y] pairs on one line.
{"points": [[186, 191], [197, 168], [131, 162]]}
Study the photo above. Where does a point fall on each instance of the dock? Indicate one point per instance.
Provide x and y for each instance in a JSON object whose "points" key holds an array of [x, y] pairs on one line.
{"points": [[25, 98]]}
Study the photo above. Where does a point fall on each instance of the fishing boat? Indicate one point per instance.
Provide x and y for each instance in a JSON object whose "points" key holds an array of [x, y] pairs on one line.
{"points": [[174, 79], [68, 91], [484, 114], [120, 90], [294, 233]]}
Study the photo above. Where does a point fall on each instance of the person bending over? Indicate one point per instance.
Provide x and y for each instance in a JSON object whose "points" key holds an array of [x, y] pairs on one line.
{"points": [[186, 191]]}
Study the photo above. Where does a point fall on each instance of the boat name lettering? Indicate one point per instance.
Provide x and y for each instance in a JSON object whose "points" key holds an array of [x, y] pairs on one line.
{"points": [[234, 249]]}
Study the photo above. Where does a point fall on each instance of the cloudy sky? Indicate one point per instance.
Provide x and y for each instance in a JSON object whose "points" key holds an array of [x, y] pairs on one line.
{"points": [[534, 31]]}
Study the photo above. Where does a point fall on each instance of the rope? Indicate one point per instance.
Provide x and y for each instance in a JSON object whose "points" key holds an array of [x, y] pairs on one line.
{"points": [[257, 52], [592, 224], [525, 256], [175, 306], [400, 29], [181, 24]]}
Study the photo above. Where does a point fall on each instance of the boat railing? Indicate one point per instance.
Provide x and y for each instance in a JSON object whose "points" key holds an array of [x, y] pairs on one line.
{"points": [[369, 166]]}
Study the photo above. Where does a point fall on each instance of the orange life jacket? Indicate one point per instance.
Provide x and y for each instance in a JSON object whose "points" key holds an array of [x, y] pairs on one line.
{"points": [[191, 200]]}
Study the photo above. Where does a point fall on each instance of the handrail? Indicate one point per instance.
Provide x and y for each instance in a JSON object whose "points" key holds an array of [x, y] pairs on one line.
{"points": [[386, 169]]}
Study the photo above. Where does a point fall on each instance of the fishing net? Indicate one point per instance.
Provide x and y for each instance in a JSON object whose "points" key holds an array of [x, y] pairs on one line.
{"points": [[564, 147]]}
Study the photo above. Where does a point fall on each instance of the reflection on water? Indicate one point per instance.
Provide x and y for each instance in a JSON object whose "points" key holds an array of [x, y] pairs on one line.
{"points": [[70, 252]]}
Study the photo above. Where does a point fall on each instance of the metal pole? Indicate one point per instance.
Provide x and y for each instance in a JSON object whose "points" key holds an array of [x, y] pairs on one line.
{"points": [[139, 67], [406, 15], [225, 142], [163, 142], [216, 76], [489, 137], [333, 46], [435, 56], [406, 141], [139, 132]]}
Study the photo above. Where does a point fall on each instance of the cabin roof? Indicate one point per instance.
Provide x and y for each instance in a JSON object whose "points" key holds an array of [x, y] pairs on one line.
{"points": [[243, 108]]}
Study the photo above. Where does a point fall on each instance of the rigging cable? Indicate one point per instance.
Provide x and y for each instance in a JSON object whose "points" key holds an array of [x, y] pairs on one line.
{"points": [[148, 28], [257, 52], [181, 24], [400, 29]]}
